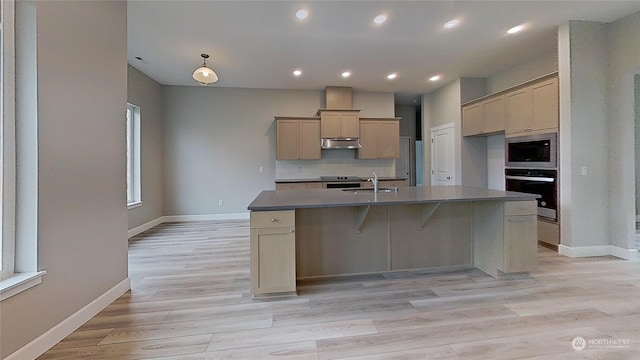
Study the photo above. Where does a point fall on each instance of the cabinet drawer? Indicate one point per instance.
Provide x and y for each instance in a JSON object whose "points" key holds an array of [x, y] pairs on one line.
{"points": [[269, 219], [520, 208], [291, 186], [314, 185]]}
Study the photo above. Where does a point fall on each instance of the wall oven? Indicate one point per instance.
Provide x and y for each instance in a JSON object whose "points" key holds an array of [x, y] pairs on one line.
{"points": [[536, 181], [534, 151]]}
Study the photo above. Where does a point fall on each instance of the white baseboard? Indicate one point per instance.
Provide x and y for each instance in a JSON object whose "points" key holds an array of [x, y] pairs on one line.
{"points": [[627, 254], [207, 217], [144, 227], [599, 250], [54, 335]]}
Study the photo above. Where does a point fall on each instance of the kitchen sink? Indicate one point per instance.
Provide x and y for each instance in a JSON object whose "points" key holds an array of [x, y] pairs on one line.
{"points": [[357, 190]]}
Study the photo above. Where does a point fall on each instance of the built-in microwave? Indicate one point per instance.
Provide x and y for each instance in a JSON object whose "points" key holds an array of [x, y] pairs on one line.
{"points": [[533, 151]]}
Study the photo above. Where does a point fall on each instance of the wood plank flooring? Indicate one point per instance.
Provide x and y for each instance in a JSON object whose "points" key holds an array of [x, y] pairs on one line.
{"points": [[190, 300]]}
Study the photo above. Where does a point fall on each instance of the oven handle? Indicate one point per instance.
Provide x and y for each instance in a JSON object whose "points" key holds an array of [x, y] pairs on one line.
{"points": [[530, 178]]}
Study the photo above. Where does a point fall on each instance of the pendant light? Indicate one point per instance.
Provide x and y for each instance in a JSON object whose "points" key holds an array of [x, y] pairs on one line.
{"points": [[205, 75]]}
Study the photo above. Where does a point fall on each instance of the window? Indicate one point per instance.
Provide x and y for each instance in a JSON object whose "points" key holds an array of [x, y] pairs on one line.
{"points": [[18, 144], [134, 196], [7, 140]]}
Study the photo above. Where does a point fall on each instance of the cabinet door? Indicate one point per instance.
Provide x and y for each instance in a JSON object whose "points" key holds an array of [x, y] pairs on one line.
{"points": [[290, 186], [393, 183], [314, 185], [273, 260], [520, 243], [349, 125], [494, 114], [309, 139], [472, 120], [545, 105], [519, 111], [388, 139], [368, 140], [330, 124], [287, 139]]}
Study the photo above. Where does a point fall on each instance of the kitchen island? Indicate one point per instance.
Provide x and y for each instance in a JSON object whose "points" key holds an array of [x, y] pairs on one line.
{"points": [[298, 234]]}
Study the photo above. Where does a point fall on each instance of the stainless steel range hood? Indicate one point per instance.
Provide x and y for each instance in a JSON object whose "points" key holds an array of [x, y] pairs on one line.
{"points": [[341, 143]]}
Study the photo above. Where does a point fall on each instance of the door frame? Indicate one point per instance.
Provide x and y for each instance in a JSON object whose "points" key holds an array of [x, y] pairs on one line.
{"points": [[412, 161], [451, 125]]}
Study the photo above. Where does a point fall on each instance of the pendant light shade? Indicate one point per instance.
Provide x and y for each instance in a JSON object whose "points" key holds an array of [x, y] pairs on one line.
{"points": [[205, 75]]}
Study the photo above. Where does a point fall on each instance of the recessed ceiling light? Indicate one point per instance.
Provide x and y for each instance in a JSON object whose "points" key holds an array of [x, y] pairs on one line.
{"points": [[434, 78], [297, 72], [515, 29], [451, 23], [302, 14], [392, 76], [346, 74], [380, 19]]}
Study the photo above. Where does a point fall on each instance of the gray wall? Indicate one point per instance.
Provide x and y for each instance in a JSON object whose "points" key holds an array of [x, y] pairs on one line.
{"points": [[408, 122], [583, 136], [536, 67], [82, 216], [147, 94], [441, 107], [598, 64], [637, 124], [216, 139], [624, 64]]}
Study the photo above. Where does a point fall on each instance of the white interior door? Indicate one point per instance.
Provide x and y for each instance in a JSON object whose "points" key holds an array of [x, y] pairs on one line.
{"points": [[442, 155], [403, 164]]}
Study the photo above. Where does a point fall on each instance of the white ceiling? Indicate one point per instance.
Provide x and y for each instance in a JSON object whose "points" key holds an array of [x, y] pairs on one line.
{"points": [[257, 44]]}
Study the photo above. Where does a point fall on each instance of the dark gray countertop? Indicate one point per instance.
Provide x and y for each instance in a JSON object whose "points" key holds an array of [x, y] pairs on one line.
{"points": [[271, 200]]}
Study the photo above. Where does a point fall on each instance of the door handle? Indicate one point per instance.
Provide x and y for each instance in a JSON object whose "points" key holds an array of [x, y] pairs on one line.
{"points": [[448, 177]]}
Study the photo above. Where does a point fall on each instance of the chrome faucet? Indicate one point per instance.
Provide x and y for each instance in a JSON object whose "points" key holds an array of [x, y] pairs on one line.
{"points": [[374, 180]]}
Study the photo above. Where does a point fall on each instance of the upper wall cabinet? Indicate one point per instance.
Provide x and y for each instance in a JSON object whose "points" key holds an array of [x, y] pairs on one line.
{"points": [[339, 124], [533, 109], [484, 117], [528, 109], [380, 139], [297, 139]]}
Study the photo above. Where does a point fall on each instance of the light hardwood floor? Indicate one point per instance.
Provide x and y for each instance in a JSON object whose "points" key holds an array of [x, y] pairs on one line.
{"points": [[190, 300]]}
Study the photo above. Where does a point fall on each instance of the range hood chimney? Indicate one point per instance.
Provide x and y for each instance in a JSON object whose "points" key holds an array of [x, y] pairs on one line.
{"points": [[339, 98]]}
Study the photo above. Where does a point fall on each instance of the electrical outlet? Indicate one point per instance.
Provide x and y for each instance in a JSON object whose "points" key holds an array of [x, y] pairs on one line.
{"points": [[219, 202], [261, 169], [583, 171]]}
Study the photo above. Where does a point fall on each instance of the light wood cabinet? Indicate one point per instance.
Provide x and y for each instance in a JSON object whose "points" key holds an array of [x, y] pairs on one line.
{"points": [[299, 185], [297, 139], [533, 109], [385, 183], [393, 183], [379, 139], [273, 253], [493, 114], [484, 117], [339, 124], [528, 109], [520, 236], [291, 186], [313, 185], [505, 236], [472, 119]]}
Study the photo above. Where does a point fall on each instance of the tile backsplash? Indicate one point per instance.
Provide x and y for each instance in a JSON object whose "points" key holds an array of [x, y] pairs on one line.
{"points": [[334, 163]]}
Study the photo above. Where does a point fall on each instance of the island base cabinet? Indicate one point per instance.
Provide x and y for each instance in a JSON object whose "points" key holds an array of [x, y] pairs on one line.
{"points": [[520, 247], [273, 254], [505, 236]]}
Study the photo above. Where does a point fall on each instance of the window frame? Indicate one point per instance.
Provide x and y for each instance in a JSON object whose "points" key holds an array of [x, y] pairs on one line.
{"points": [[134, 186], [18, 141]]}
